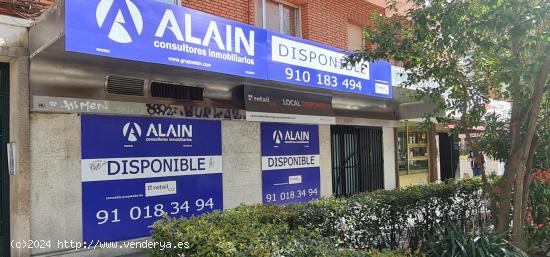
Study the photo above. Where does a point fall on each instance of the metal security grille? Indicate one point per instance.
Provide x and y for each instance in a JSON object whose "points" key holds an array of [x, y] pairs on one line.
{"points": [[125, 86], [176, 91], [357, 159]]}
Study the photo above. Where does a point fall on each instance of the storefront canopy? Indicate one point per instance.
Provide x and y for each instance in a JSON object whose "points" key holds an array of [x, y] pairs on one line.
{"points": [[75, 52]]}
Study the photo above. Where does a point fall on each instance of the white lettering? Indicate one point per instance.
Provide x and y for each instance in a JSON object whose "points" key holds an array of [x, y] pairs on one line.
{"points": [[248, 44], [169, 21], [213, 33], [188, 29]]}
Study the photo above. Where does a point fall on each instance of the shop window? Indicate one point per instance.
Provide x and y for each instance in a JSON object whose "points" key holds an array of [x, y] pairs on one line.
{"points": [[278, 16], [176, 2], [413, 151]]}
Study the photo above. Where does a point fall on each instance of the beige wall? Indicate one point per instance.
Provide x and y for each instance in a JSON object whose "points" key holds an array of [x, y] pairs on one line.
{"points": [[55, 184], [14, 50]]}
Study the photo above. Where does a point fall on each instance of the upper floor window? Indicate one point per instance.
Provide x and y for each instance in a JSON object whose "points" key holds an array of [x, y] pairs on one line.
{"points": [[278, 16], [176, 2], [356, 39]]}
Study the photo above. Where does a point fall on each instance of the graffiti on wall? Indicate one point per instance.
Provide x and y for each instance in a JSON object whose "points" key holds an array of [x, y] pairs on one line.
{"points": [[75, 105], [195, 112]]}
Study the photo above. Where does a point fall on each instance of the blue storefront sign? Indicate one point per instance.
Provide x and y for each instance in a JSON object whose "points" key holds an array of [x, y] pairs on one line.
{"points": [[298, 61], [137, 169], [290, 163], [154, 32]]}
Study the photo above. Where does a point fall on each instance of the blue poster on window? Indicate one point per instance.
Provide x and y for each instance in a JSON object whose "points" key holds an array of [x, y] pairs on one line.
{"points": [[290, 163], [137, 169]]}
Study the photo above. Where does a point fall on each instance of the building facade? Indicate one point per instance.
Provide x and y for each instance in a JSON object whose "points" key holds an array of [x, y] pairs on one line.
{"points": [[136, 109]]}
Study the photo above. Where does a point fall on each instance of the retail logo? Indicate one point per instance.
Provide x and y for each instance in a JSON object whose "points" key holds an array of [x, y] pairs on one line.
{"points": [[160, 188], [261, 99], [131, 131], [119, 31]]}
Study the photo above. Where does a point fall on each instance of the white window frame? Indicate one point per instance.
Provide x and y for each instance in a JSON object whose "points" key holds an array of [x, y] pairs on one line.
{"points": [[281, 20]]}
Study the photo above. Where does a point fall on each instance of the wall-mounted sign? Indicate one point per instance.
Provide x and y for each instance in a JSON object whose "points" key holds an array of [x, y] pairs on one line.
{"points": [[137, 169], [290, 163], [265, 104], [298, 61], [154, 32]]}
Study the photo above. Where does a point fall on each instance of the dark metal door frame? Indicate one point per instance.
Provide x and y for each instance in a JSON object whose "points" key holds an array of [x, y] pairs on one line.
{"points": [[4, 174], [448, 156], [357, 159]]}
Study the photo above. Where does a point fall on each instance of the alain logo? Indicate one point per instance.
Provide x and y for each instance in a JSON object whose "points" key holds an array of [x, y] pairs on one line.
{"points": [[131, 131], [160, 188], [277, 136], [119, 30], [290, 137]]}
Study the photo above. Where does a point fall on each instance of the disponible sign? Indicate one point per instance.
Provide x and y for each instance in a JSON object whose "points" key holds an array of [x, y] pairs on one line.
{"points": [[290, 163], [265, 104], [135, 170], [154, 32], [302, 62]]}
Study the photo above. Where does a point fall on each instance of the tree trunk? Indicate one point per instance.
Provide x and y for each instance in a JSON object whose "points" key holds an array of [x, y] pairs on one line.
{"points": [[527, 182], [503, 214], [517, 228]]}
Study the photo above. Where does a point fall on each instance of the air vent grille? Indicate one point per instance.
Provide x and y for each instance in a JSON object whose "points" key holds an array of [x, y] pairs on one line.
{"points": [[177, 91], [125, 86]]}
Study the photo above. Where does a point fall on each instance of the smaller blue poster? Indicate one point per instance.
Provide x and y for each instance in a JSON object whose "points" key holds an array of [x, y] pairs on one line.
{"points": [[290, 163], [136, 170]]}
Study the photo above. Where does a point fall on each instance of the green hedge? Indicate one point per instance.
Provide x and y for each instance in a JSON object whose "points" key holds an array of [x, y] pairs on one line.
{"points": [[379, 220]]}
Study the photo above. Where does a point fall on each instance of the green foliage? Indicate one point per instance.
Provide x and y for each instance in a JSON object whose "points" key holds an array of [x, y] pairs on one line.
{"points": [[380, 220], [538, 213], [451, 241], [495, 141], [466, 49], [383, 219]]}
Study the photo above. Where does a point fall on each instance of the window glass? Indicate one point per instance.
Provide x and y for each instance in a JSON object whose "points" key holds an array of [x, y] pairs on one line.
{"points": [[290, 17], [355, 37], [278, 17], [258, 13], [413, 151], [272, 15], [176, 2]]}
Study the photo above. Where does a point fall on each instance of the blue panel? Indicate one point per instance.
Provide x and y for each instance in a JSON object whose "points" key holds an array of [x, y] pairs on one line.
{"points": [[284, 139], [276, 190], [105, 136], [307, 63], [137, 214], [290, 181], [134, 30], [185, 180], [153, 32]]}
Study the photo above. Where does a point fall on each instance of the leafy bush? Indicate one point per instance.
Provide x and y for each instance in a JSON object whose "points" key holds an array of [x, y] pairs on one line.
{"points": [[380, 220], [394, 219], [451, 241]]}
